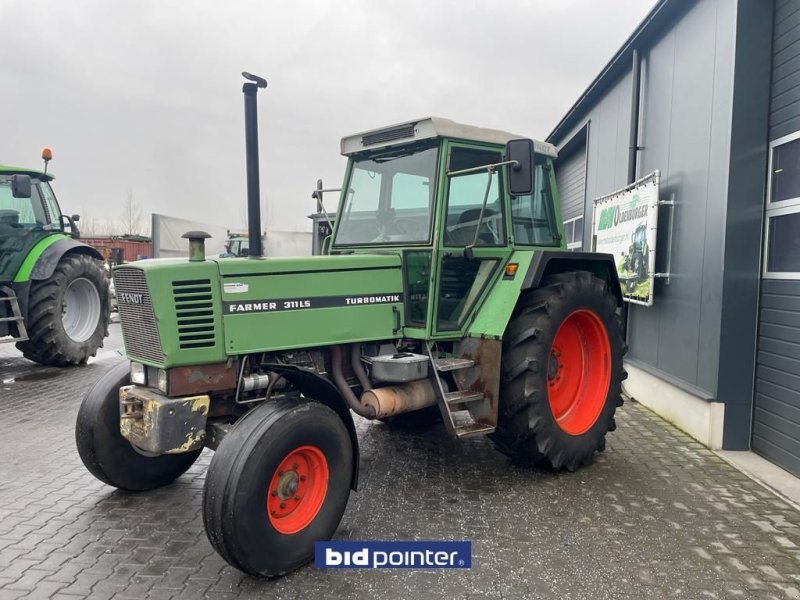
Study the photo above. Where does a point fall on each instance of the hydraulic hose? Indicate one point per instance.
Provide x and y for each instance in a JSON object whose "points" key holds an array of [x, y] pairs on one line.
{"points": [[353, 403]]}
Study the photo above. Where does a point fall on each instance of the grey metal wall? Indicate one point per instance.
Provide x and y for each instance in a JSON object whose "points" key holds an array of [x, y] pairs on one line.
{"points": [[571, 178], [785, 107], [776, 414], [776, 411], [685, 132]]}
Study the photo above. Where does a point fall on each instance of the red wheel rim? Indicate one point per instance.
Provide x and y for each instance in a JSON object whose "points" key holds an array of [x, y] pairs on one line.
{"points": [[579, 371], [297, 489]]}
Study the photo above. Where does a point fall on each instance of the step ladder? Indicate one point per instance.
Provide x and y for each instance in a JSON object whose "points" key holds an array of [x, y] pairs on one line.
{"points": [[8, 295], [466, 412]]}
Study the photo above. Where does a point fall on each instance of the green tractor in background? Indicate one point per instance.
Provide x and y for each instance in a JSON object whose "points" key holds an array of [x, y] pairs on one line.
{"points": [[53, 290], [446, 283]]}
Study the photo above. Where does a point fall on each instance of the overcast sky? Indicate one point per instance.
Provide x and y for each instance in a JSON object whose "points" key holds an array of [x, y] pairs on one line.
{"points": [[146, 95]]}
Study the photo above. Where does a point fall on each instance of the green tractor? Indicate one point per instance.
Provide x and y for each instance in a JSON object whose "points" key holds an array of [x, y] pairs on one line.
{"points": [[445, 284], [53, 290]]}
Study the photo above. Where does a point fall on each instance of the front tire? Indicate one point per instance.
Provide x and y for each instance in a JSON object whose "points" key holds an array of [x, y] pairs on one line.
{"points": [[68, 313], [107, 454], [562, 372], [278, 482]]}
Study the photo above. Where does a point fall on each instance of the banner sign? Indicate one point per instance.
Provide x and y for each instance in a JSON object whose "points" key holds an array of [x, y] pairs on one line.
{"points": [[625, 224]]}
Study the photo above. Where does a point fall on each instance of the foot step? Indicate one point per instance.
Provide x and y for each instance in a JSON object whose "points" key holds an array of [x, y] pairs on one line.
{"points": [[452, 364], [473, 429], [462, 397]]}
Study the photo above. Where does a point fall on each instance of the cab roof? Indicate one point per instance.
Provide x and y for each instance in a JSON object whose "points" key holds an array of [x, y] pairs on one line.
{"points": [[9, 170], [428, 128]]}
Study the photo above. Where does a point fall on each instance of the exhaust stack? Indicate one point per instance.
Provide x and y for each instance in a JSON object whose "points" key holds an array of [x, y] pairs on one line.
{"points": [[250, 91]]}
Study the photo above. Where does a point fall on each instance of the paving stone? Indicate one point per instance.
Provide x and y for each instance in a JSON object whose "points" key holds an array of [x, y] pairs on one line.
{"points": [[656, 516]]}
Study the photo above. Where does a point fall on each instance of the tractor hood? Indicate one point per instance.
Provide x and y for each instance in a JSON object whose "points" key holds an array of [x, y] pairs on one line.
{"points": [[178, 312]]}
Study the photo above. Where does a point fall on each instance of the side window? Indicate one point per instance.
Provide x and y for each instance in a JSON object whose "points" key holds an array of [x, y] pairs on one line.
{"points": [[532, 216], [50, 204], [465, 198], [782, 240], [573, 233]]}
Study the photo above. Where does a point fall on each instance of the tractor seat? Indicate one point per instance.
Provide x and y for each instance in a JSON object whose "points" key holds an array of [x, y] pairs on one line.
{"points": [[463, 232], [9, 217]]}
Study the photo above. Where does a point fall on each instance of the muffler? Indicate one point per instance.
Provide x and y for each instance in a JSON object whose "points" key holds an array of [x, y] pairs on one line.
{"points": [[396, 399]]}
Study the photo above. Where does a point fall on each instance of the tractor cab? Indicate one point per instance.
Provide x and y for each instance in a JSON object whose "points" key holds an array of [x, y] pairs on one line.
{"points": [[436, 192], [29, 212]]}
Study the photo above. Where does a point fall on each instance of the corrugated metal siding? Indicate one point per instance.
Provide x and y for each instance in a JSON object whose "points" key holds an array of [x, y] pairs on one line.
{"points": [[776, 413], [776, 405], [571, 179], [785, 107]]}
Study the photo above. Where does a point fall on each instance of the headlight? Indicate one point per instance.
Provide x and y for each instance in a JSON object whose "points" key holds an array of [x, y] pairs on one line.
{"points": [[162, 380], [137, 374]]}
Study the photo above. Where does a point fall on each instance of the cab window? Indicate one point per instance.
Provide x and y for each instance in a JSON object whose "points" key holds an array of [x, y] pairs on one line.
{"points": [[465, 196]]}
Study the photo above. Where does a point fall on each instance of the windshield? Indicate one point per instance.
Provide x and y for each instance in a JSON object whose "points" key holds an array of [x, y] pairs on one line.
{"points": [[20, 213], [389, 198]]}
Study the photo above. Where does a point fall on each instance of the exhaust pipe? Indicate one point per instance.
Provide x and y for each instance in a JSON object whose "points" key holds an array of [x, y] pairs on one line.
{"points": [[250, 91]]}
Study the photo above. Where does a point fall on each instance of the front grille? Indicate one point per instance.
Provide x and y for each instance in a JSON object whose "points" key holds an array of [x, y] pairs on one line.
{"points": [[387, 135], [195, 312], [139, 329]]}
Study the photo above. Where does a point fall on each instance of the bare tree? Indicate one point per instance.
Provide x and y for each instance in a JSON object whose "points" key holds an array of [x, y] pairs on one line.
{"points": [[131, 216]]}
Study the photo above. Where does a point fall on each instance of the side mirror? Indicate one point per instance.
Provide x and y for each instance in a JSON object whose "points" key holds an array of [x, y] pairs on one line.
{"points": [[76, 218], [520, 175], [21, 186]]}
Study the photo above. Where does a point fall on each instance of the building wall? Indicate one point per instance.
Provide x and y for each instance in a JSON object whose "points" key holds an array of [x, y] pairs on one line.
{"points": [[685, 132], [776, 414], [785, 106]]}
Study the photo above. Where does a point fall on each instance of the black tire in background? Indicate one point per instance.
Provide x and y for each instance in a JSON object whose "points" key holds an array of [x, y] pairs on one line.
{"points": [[48, 342], [107, 454], [527, 428], [237, 486]]}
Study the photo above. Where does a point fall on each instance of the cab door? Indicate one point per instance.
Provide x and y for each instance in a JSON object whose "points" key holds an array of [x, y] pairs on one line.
{"points": [[461, 282]]}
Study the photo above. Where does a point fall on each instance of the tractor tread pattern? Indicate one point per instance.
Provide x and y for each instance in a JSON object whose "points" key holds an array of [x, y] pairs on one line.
{"points": [[527, 431]]}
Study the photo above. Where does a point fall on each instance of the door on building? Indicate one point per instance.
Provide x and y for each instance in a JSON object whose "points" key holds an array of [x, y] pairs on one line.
{"points": [[776, 404]]}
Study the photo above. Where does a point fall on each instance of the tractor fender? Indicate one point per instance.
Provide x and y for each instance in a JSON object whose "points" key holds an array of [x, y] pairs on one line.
{"points": [[548, 263], [317, 387], [46, 263]]}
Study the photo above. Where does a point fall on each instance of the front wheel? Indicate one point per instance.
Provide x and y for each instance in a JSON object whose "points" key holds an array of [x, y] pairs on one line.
{"points": [[278, 482], [562, 372], [107, 454]]}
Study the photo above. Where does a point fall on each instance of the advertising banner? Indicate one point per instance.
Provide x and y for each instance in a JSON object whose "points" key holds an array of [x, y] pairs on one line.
{"points": [[625, 224]]}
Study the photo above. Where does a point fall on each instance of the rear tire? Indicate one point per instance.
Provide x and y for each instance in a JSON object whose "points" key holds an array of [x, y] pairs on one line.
{"points": [[278, 482], [67, 314], [107, 454], [556, 412]]}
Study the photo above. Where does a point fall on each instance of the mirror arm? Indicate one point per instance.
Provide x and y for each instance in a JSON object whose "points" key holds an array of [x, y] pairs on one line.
{"points": [[468, 254]]}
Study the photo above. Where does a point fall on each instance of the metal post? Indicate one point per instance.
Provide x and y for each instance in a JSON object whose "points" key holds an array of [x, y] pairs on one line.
{"points": [[633, 146], [250, 91]]}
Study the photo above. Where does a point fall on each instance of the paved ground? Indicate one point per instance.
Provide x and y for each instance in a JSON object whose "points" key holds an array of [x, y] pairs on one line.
{"points": [[656, 516]]}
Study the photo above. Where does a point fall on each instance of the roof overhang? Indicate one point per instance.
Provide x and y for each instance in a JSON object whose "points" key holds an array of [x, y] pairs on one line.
{"points": [[429, 128]]}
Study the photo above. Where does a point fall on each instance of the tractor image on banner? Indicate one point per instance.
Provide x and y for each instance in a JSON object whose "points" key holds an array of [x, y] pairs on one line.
{"points": [[445, 294], [54, 292]]}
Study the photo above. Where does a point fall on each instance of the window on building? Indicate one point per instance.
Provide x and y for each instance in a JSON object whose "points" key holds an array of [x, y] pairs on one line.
{"points": [[782, 236], [573, 233]]}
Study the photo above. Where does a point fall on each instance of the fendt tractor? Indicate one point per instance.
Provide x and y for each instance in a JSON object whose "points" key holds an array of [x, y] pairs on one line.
{"points": [[53, 289], [445, 283]]}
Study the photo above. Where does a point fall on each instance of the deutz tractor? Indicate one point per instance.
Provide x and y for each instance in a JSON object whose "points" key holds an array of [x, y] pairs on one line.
{"points": [[445, 284], [53, 289]]}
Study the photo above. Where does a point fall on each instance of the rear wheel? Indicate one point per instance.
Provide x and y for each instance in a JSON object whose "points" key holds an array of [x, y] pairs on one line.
{"points": [[562, 372], [107, 454], [68, 313], [278, 482]]}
